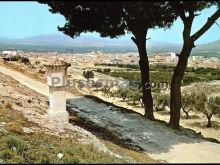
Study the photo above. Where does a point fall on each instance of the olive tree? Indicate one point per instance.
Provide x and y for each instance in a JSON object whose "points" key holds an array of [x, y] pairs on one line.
{"points": [[161, 101], [135, 95], [209, 106], [213, 108], [88, 74], [188, 101]]}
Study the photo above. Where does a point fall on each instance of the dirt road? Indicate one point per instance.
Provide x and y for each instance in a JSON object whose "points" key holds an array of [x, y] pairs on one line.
{"points": [[30, 83]]}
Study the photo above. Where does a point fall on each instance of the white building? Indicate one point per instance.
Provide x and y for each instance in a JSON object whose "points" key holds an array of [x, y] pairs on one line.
{"points": [[6, 52], [173, 57], [9, 54]]}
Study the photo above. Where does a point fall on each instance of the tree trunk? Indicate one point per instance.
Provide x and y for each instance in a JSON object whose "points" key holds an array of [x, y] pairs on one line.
{"points": [[179, 70], [209, 124], [175, 93], [186, 112], [140, 41]]}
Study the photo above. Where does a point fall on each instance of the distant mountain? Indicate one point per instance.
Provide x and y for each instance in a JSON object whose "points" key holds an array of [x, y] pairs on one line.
{"points": [[213, 46], [45, 40], [66, 41], [87, 43], [210, 49]]}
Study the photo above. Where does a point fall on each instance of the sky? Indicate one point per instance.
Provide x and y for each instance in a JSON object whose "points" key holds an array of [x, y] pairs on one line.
{"points": [[25, 19]]}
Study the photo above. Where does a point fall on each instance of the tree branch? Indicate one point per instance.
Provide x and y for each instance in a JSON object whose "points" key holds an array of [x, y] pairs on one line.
{"points": [[134, 40], [178, 55], [183, 16], [211, 20], [191, 15], [217, 25]]}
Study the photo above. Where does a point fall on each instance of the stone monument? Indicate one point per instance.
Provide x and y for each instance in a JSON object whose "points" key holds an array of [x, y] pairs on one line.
{"points": [[57, 82]]}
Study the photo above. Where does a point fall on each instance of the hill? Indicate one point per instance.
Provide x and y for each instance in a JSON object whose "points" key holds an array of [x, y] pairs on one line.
{"points": [[87, 43], [209, 50]]}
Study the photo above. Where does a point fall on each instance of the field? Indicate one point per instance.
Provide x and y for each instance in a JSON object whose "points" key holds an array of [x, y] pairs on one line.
{"points": [[161, 73]]}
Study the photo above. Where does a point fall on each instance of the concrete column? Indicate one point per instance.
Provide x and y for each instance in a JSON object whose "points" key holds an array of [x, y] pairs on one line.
{"points": [[57, 81]]}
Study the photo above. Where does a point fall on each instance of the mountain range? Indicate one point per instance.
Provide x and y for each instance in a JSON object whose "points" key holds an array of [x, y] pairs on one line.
{"points": [[64, 43]]}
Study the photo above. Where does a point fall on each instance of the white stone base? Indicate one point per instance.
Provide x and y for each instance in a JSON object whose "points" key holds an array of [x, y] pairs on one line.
{"points": [[62, 116]]}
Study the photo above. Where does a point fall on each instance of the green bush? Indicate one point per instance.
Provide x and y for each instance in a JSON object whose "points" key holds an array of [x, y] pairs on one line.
{"points": [[15, 58], [7, 154], [37, 62], [131, 66], [135, 95], [99, 70], [88, 74], [24, 60], [107, 70], [161, 101], [20, 145]]}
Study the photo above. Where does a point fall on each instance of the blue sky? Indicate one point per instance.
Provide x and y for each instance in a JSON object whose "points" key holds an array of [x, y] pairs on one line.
{"points": [[24, 19]]}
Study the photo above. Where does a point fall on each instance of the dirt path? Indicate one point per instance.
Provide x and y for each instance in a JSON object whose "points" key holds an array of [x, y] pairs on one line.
{"points": [[154, 138], [30, 83]]}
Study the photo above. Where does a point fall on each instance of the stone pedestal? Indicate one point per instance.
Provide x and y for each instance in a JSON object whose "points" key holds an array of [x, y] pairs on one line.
{"points": [[57, 82]]}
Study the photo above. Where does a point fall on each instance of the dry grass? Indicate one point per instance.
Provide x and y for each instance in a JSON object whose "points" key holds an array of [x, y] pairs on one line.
{"points": [[14, 119], [43, 148], [8, 105], [39, 147], [24, 70], [14, 127]]}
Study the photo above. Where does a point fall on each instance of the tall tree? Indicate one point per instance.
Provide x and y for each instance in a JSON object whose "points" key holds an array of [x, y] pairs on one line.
{"points": [[187, 11], [113, 19]]}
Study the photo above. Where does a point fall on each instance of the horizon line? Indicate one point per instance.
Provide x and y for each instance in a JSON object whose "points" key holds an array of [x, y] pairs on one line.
{"points": [[97, 37]]}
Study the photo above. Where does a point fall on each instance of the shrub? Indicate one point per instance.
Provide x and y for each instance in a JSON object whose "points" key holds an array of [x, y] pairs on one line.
{"points": [[135, 95], [122, 93], [99, 70], [37, 62], [15, 58], [107, 70], [7, 154], [42, 71], [88, 74], [20, 145], [25, 60], [131, 66], [161, 101], [11, 157]]}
